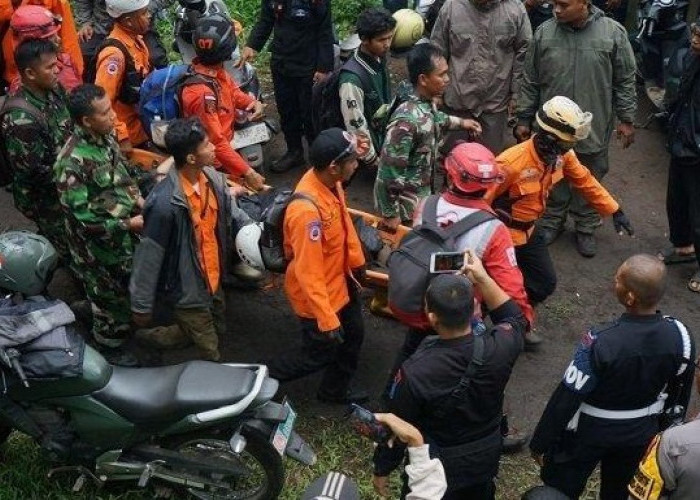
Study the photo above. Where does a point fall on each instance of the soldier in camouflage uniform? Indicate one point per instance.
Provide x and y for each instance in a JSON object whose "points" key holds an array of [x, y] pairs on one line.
{"points": [[407, 161], [34, 126], [102, 206]]}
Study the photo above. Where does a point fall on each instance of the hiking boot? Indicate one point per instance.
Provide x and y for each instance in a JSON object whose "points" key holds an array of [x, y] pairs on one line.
{"points": [[586, 244], [118, 356], [532, 341], [291, 159], [547, 235], [244, 272], [357, 396], [162, 338]]}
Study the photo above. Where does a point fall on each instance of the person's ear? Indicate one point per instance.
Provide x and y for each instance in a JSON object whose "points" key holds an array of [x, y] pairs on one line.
{"points": [[191, 159], [85, 122], [422, 79], [432, 319], [630, 298], [29, 74]]}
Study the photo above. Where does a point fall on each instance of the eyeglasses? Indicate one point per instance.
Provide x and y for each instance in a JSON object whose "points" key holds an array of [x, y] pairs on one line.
{"points": [[350, 150]]}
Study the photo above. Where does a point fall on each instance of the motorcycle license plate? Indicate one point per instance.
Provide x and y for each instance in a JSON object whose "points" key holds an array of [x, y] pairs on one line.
{"points": [[252, 134], [284, 429]]}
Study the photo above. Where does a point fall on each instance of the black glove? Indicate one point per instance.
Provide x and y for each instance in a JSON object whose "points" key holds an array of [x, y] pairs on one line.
{"points": [[331, 336], [622, 223]]}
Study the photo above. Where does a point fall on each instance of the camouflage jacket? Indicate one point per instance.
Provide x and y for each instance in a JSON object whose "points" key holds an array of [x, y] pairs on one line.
{"points": [[98, 196], [408, 156], [32, 149]]}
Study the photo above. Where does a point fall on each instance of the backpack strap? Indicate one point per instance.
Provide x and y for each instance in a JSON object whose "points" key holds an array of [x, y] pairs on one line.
{"points": [[429, 217], [459, 392], [17, 102], [468, 223], [194, 78], [300, 195], [353, 66]]}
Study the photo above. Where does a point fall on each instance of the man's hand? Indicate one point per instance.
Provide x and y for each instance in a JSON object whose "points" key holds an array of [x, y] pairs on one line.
{"points": [[473, 268], [141, 320], [622, 223], [319, 76], [85, 33], [254, 181], [405, 432], [257, 110], [512, 103], [625, 133], [237, 190], [331, 336], [136, 224], [247, 55], [539, 459], [390, 223], [363, 143], [522, 133], [125, 146], [472, 126], [381, 485]]}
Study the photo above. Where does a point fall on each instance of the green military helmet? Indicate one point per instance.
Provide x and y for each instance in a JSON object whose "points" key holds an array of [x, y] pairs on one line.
{"points": [[27, 262]]}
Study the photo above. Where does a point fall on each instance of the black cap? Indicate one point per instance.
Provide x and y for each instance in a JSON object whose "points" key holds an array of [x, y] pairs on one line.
{"points": [[329, 145], [332, 486]]}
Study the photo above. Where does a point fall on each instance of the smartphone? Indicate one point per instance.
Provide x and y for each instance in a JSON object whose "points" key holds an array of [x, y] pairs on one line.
{"points": [[446, 262], [365, 424]]}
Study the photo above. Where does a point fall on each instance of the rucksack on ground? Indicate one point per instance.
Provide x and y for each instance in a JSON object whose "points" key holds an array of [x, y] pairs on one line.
{"points": [[409, 264], [159, 98], [325, 96], [7, 104]]}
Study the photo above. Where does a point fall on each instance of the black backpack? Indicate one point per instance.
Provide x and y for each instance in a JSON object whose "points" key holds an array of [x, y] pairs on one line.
{"points": [[7, 104], [325, 96], [409, 264], [131, 85], [272, 238]]}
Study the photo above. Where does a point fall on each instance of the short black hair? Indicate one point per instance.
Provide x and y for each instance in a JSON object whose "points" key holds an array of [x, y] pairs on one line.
{"points": [[451, 298], [421, 60], [373, 22], [30, 51], [183, 137], [81, 99]]}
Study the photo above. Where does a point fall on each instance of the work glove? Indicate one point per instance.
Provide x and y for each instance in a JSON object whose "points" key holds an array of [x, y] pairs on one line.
{"points": [[622, 223], [335, 336]]}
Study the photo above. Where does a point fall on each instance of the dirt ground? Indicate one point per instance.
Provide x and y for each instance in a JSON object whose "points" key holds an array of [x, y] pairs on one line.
{"points": [[261, 324]]}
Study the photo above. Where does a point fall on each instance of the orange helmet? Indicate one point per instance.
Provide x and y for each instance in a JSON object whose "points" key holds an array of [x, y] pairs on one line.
{"points": [[472, 167], [33, 21]]}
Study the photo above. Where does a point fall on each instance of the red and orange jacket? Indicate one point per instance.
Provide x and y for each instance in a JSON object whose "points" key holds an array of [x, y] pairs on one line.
{"points": [[528, 182], [217, 111], [322, 246]]}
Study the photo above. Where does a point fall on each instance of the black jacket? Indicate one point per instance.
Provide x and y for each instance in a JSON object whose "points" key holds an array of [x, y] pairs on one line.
{"points": [[166, 270], [684, 106], [428, 377], [301, 45]]}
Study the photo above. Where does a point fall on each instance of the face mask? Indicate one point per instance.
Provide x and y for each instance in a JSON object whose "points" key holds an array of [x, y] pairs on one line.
{"points": [[549, 148]]}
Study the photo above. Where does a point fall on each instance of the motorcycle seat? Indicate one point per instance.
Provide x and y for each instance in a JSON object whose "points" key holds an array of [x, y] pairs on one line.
{"points": [[171, 392]]}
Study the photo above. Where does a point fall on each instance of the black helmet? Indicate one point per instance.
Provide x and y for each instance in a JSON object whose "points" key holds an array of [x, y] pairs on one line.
{"points": [[214, 39]]}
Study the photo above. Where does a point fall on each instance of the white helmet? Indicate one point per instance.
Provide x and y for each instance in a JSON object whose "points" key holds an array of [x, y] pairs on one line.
{"points": [[409, 28], [564, 118], [248, 245], [117, 8]]}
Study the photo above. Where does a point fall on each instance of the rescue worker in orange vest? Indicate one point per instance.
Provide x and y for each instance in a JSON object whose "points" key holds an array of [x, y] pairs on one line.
{"points": [[531, 169], [32, 22], [67, 34], [325, 260], [217, 99], [122, 64]]}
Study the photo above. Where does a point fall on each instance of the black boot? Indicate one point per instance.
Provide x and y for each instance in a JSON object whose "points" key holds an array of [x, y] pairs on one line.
{"points": [[291, 159]]}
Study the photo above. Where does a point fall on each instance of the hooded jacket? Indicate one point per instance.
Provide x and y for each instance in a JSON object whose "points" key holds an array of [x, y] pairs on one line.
{"points": [[166, 265], [592, 65]]}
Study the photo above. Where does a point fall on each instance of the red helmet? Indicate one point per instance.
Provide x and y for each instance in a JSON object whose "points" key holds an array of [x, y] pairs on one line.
{"points": [[472, 167], [33, 21]]}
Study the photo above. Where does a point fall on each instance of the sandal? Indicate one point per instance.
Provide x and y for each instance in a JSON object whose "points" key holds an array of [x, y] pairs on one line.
{"points": [[670, 256], [694, 282]]}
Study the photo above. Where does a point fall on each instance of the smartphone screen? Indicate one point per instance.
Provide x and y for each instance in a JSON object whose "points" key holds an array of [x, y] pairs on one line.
{"points": [[364, 423], [446, 262]]}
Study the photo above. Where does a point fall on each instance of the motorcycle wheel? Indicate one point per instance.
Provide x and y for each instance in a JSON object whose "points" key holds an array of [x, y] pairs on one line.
{"points": [[266, 469]]}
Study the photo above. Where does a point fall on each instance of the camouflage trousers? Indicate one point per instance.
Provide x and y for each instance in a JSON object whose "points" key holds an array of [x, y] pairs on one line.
{"points": [[202, 326], [388, 194], [54, 230], [107, 289]]}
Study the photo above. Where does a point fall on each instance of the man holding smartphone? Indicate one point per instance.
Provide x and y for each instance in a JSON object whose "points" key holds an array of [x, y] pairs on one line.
{"points": [[439, 389]]}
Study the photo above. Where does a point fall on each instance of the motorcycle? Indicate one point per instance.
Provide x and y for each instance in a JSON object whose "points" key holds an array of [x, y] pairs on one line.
{"points": [[250, 136], [662, 28], [209, 429]]}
